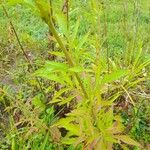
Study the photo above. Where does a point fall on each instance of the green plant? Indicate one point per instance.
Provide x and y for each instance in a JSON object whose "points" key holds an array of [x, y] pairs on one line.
{"points": [[90, 113], [83, 80]]}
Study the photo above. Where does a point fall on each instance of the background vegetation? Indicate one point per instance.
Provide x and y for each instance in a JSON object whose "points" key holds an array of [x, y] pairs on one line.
{"points": [[75, 75]]}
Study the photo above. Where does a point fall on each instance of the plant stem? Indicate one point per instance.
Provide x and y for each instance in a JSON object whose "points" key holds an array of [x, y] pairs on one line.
{"points": [[106, 42], [67, 54], [67, 5]]}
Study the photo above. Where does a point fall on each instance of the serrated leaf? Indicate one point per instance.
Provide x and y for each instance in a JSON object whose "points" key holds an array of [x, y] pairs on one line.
{"points": [[73, 128], [110, 101], [56, 66], [57, 96], [64, 121], [114, 76], [54, 71], [47, 75], [126, 139], [67, 100]]}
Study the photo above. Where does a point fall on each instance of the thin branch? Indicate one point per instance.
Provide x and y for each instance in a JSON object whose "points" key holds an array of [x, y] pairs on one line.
{"points": [[22, 49]]}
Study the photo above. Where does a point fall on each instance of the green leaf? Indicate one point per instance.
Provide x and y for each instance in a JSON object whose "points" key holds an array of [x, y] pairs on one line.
{"points": [[138, 55], [71, 147], [62, 23], [37, 102], [48, 75], [64, 122], [44, 9], [50, 110], [73, 128], [68, 140], [143, 65], [28, 3], [76, 69], [54, 71], [13, 144], [67, 100], [56, 66], [114, 76], [74, 35], [57, 96], [15, 2], [43, 146], [57, 53], [82, 41], [126, 139], [110, 101]]}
